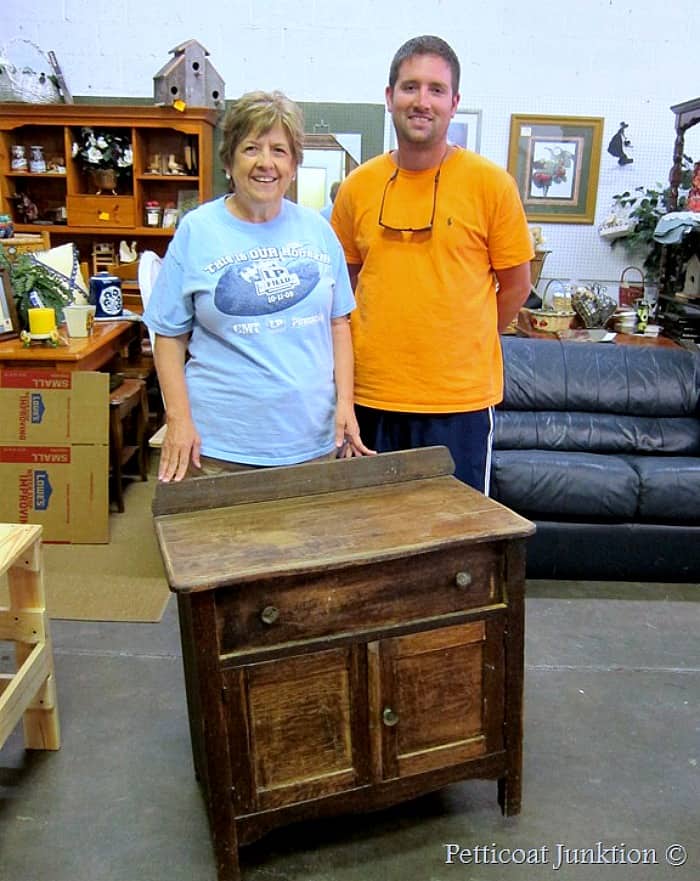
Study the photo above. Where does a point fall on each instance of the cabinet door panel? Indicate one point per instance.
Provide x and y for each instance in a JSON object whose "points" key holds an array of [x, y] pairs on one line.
{"points": [[439, 693], [306, 727]]}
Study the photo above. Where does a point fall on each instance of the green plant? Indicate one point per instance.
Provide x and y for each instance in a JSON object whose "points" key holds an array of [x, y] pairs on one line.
{"points": [[28, 277], [645, 206]]}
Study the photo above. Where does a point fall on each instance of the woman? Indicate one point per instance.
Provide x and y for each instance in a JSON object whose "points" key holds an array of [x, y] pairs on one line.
{"points": [[255, 289]]}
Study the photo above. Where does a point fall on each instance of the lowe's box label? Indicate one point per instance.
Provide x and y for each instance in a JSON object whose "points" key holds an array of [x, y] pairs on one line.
{"points": [[36, 408], [34, 492]]}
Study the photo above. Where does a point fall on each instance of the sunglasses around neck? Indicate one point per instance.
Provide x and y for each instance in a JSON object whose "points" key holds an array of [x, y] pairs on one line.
{"points": [[413, 229]]}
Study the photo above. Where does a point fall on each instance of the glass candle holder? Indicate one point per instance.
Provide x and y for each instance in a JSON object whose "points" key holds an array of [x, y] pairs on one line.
{"points": [[37, 163]]}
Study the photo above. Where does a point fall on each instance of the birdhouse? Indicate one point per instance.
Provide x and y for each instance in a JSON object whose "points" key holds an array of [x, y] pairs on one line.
{"points": [[189, 77], [692, 277]]}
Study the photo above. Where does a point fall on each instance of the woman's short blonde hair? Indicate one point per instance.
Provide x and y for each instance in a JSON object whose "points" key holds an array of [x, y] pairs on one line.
{"points": [[256, 113]]}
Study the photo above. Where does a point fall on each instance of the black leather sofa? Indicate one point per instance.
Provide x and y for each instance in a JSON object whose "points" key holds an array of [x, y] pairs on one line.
{"points": [[599, 445]]}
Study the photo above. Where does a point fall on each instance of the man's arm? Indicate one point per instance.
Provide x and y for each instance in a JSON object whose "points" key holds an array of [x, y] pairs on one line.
{"points": [[513, 289]]}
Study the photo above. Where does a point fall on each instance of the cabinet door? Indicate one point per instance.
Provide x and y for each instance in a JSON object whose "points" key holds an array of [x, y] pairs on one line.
{"points": [[298, 727], [436, 698]]}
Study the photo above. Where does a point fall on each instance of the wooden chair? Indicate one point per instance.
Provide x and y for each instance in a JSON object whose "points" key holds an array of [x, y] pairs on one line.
{"points": [[144, 272], [128, 424], [25, 243]]}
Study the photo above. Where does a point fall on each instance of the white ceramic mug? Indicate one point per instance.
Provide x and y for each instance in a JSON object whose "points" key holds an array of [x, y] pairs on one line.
{"points": [[79, 319]]}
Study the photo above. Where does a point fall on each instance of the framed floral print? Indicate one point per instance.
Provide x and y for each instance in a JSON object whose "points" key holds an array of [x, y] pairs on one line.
{"points": [[555, 161]]}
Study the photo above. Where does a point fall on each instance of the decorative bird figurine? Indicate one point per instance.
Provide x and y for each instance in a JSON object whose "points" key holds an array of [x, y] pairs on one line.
{"points": [[174, 166], [127, 254]]}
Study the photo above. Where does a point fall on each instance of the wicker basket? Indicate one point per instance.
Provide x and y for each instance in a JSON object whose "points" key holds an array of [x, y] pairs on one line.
{"points": [[24, 83], [549, 320], [536, 265], [631, 290]]}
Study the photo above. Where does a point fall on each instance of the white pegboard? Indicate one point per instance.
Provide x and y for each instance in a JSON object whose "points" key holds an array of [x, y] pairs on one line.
{"points": [[577, 251]]}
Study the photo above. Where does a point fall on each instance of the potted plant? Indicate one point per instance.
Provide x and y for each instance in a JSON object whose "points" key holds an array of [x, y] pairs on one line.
{"points": [[31, 280], [643, 208], [105, 155]]}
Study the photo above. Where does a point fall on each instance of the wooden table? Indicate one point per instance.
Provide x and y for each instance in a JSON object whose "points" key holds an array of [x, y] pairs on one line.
{"points": [[352, 637], [104, 347]]}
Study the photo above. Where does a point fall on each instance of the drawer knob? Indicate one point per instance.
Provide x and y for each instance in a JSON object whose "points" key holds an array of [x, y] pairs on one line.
{"points": [[463, 579], [389, 717], [269, 614]]}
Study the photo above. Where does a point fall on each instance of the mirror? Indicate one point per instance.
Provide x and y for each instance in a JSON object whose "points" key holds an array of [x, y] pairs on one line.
{"points": [[325, 160]]}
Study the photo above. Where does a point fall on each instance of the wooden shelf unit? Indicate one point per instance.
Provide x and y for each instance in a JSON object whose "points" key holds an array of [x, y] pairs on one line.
{"points": [[106, 217], [679, 316]]}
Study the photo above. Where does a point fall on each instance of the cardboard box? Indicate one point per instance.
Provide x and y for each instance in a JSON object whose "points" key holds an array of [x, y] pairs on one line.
{"points": [[65, 489], [41, 406], [54, 452]]}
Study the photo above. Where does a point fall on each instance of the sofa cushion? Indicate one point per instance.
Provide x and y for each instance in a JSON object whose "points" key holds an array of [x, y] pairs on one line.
{"points": [[669, 488], [599, 378], [596, 432], [552, 484]]}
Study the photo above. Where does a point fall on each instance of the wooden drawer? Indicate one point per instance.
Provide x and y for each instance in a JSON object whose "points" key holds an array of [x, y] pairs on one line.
{"points": [[107, 211], [359, 598]]}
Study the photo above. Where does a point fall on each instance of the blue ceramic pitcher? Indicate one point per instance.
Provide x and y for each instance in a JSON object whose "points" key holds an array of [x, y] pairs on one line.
{"points": [[106, 295]]}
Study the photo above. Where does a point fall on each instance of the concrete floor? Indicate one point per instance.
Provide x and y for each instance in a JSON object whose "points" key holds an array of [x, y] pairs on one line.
{"points": [[612, 752]]}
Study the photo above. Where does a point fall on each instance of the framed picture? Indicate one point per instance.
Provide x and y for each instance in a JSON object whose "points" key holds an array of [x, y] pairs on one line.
{"points": [[9, 321], [464, 130], [555, 161]]}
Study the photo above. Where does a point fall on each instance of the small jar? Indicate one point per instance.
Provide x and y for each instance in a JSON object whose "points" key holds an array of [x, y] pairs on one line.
{"points": [[153, 214], [19, 158], [7, 227], [37, 163]]}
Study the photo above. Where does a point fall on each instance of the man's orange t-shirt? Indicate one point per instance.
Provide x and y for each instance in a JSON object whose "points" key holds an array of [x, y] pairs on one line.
{"points": [[425, 329]]}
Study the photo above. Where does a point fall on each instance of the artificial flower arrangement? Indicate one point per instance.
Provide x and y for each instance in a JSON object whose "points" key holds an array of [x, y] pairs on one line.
{"points": [[103, 149]]}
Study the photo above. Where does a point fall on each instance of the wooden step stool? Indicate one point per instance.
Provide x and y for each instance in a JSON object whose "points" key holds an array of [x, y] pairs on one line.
{"points": [[29, 693], [128, 423]]}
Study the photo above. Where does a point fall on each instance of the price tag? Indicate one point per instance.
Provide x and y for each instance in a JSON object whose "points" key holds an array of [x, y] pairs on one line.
{"points": [[103, 215]]}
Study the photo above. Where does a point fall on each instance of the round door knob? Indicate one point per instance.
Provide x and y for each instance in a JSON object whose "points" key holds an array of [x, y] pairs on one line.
{"points": [[463, 579], [269, 614], [389, 717]]}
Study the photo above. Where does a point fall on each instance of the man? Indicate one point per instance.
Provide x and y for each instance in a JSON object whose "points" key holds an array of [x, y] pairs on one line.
{"points": [[438, 249], [328, 207]]}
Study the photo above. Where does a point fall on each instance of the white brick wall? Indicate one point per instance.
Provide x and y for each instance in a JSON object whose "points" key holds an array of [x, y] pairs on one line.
{"points": [[618, 59]]}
